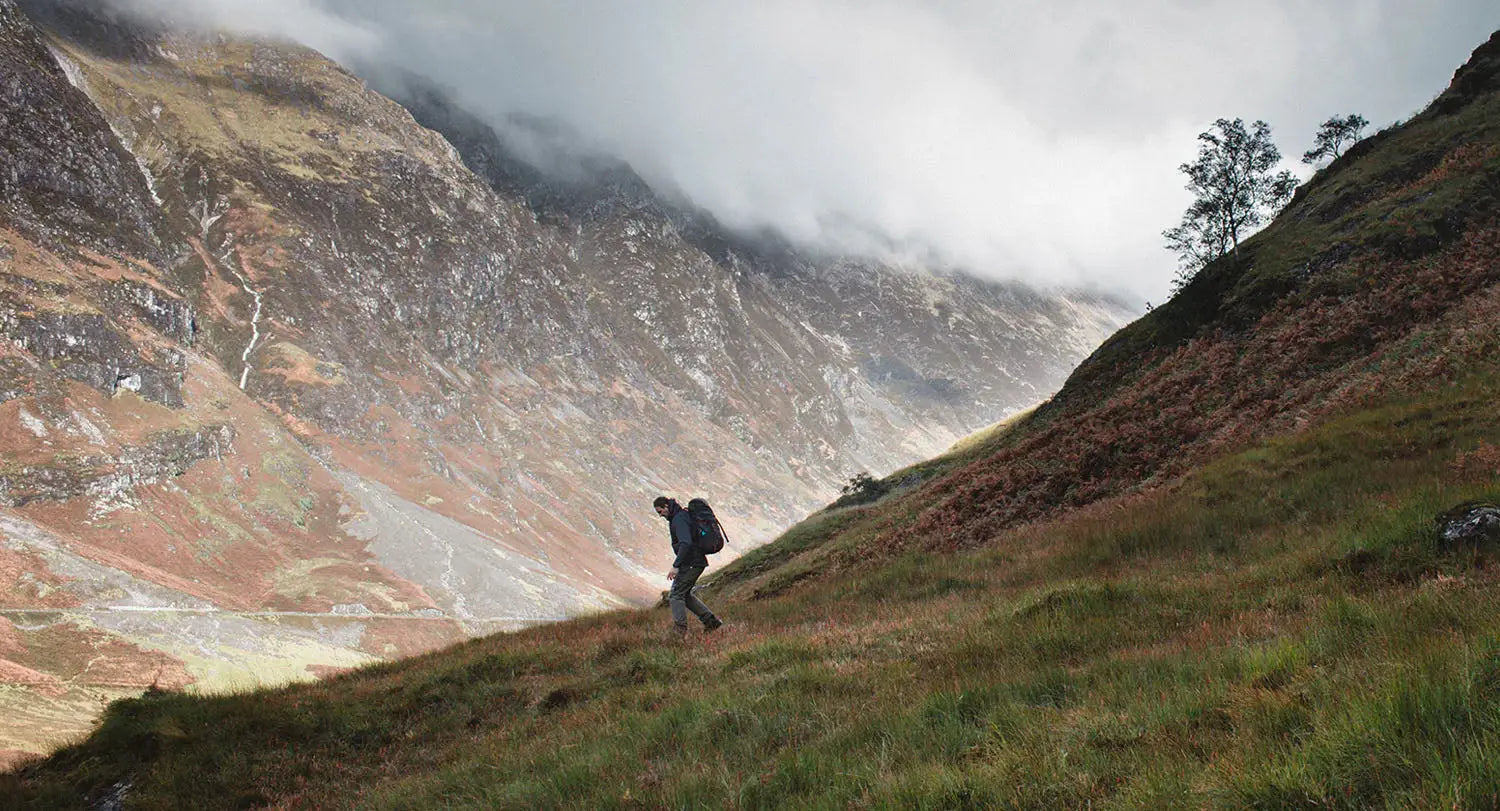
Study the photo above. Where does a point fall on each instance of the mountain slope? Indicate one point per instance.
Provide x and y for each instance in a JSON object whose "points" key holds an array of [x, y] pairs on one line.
{"points": [[289, 388], [1378, 279], [1300, 620]]}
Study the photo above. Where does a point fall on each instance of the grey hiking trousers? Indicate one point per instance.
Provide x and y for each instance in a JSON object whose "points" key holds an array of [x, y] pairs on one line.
{"points": [[682, 599]]}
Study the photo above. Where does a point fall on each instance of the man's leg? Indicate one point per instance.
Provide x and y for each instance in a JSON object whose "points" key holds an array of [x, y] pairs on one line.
{"points": [[697, 606], [682, 591], [683, 600]]}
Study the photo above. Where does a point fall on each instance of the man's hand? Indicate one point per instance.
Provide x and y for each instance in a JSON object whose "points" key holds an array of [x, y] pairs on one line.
{"points": [[672, 575]]}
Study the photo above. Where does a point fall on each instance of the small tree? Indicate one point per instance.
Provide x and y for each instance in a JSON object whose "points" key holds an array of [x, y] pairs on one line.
{"points": [[861, 489], [1234, 192], [863, 485], [1333, 136]]}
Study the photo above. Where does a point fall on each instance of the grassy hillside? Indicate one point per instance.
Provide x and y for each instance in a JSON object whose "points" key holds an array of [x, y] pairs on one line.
{"points": [[1281, 628], [1209, 573]]}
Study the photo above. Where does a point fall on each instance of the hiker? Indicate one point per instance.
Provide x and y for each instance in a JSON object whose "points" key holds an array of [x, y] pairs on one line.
{"points": [[687, 567]]}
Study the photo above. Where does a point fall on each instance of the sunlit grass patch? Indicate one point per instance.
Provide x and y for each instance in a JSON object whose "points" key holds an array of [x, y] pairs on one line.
{"points": [[641, 666], [1275, 664], [915, 578], [1423, 730], [772, 655], [1047, 686]]}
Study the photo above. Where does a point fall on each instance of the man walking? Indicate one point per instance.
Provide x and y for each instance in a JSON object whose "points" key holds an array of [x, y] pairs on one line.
{"points": [[687, 567]]}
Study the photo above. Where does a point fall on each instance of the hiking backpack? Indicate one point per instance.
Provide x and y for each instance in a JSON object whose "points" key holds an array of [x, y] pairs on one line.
{"points": [[708, 533]]}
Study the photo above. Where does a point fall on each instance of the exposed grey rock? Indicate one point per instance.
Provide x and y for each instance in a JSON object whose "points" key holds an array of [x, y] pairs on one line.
{"points": [[166, 454], [114, 799], [66, 178], [67, 182], [351, 610], [1470, 525], [469, 575], [172, 316], [87, 347]]}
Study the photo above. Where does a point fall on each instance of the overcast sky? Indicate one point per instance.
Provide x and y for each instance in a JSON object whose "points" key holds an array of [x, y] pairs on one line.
{"points": [[1030, 140]]}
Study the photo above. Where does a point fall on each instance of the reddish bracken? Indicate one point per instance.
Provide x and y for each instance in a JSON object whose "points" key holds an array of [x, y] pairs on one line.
{"points": [[1480, 464], [1387, 326]]}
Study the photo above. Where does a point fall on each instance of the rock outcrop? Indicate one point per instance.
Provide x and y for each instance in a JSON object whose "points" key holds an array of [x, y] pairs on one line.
{"points": [[1469, 526]]}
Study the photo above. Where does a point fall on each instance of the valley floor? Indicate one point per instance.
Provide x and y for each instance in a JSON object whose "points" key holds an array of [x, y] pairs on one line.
{"points": [[1280, 628]]}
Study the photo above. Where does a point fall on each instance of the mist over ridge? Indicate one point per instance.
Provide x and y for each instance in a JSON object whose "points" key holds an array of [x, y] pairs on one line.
{"points": [[1036, 142]]}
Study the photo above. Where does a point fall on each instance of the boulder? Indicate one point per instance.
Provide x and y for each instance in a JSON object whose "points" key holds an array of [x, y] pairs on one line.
{"points": [[1471, 525]]}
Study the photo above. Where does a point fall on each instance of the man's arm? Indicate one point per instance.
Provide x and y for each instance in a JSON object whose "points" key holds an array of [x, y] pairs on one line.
{"points": [[682, 540]]}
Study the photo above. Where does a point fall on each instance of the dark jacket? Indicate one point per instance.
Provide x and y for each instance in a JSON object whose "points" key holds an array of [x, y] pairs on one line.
{"points": [[687, 553]]}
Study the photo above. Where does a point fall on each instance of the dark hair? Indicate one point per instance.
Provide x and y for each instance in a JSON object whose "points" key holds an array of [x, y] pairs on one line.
{"points": [[661, 501]]}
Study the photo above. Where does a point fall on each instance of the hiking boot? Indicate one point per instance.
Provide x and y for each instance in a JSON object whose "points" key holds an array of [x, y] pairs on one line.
{"points": [[712, 624]]}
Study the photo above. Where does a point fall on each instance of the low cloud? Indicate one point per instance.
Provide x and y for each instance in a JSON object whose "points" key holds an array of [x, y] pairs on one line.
{"points": [[300, 21], [1031, 140]]}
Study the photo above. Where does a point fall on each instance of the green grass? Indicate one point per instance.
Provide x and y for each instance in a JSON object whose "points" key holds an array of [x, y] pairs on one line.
{"points": [[1279, 629]]}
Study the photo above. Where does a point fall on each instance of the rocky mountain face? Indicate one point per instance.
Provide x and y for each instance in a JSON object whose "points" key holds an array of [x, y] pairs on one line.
{"points": [[902, 355], [289, 382]]}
